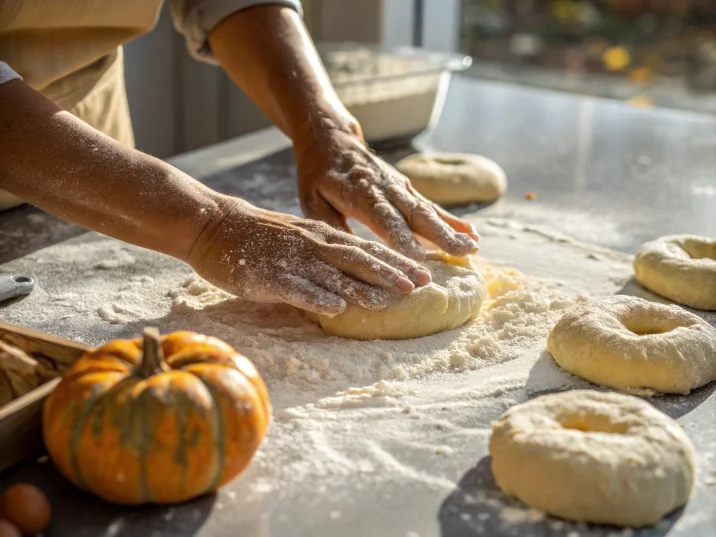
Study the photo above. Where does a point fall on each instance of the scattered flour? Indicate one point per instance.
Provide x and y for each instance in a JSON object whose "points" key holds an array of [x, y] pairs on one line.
{"points": [[299, 361], [117, 313], [351, 418], [511, 514], [343, 403], [120, 259]]}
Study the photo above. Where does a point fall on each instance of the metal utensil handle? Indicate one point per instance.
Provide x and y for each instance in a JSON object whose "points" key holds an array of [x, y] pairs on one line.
{"points": [[12, 286]]}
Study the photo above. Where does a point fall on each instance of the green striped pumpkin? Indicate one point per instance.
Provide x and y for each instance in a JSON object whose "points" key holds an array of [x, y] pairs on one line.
{"points": [[156, 421]]}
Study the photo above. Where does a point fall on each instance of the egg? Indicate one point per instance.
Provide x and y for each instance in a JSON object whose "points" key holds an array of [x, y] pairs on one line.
{"points": [[26, 506], [8, 529]]}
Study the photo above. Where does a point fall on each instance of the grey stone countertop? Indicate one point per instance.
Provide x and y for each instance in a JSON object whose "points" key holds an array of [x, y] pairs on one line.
{"points": [[601, 172]]}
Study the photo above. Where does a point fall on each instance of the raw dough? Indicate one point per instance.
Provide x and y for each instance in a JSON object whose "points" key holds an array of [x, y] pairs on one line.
{"points": [[681, 268], [635, 345], [453, 298], [595, 457], [454, 178]]}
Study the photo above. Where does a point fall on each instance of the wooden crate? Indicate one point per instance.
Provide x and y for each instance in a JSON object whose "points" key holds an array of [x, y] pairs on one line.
{"points": [[21, 419]]}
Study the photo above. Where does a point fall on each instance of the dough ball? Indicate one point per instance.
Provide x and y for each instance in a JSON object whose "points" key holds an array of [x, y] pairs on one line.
{"points": [[635, 345], [454, 178], [588, 456], [453, 298], [681, 268]]}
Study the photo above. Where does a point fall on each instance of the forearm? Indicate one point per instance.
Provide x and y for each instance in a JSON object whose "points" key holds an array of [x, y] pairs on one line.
{"points": [[60, 164], [267, 51]]}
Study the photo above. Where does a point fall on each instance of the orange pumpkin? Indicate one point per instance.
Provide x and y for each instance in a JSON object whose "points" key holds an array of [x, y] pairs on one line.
{"points": [[158, 420]]}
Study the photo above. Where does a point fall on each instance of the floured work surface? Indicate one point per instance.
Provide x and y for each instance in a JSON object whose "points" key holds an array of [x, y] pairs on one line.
{"points": [[369, 438]]}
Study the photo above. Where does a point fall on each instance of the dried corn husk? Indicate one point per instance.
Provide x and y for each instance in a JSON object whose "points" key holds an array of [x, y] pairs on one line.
{"points": [[20, 373]]}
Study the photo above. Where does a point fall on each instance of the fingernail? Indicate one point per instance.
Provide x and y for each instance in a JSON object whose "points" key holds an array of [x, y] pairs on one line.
{"points": [[470, 231], [404, 284], [422, 277], [473, 243], [333, 311]]}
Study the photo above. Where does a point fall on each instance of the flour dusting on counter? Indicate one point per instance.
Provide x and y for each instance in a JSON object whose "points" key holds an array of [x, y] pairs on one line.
{"points": [[403, 417], [299, 361]]}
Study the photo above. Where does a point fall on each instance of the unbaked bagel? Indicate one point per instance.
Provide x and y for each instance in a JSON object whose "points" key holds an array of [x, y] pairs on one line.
{"points": [[681, 268], [595, 457], [454, 178], [635, 345]]}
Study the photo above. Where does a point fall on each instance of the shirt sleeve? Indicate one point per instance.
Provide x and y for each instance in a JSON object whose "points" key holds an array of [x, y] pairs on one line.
{"points": [[7, 74], [197, 18]]}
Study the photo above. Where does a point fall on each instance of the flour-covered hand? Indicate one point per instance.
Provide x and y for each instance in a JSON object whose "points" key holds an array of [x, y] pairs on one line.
{"points": [[273, 257], [339, 178]]}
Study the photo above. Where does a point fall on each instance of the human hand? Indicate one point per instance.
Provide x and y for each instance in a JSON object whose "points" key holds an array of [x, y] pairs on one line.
{"points": [[273, 257], [339, 178]]}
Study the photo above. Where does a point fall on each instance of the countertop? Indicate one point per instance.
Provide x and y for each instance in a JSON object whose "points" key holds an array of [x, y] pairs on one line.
{"points": [[601, 172]]}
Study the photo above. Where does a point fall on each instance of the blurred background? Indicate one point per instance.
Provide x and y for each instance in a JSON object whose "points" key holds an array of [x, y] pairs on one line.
{"points": [[646, 52]]}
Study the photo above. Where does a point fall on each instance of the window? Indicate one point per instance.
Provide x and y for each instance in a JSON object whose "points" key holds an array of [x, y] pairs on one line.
{"points": [[650, 52]]}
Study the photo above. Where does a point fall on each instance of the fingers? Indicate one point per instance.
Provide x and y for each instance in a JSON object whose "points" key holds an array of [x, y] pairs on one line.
{"points": [[303, 294], [362, 266], [456, 223], [423, 218], [418, 275], [351, 290], [415, 272], [387, 222], [453, 221], [318, 208]]}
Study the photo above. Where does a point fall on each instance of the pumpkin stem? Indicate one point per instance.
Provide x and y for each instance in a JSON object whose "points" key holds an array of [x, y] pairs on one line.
{"points": [[153, 357]]}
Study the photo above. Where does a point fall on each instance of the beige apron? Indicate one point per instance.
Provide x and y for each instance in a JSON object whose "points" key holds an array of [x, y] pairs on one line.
{"points": [[70, 51]]}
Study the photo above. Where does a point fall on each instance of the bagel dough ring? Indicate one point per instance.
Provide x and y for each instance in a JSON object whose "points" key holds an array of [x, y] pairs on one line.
{"points": [[635, 345], [454, 178], [588, 456], [681, 268], [453, 298]]}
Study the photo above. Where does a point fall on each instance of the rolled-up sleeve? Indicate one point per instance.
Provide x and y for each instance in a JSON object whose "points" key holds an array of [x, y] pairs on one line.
{"points": [[197, 18], [7, 74]]}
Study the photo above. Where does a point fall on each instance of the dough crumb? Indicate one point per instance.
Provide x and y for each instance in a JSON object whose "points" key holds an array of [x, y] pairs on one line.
{"points": [[711, 478], [444, 450]]}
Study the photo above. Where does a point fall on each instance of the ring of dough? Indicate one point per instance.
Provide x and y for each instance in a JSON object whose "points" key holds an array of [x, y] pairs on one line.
{"points": [[635, 345], [452, 298], [454, 178], [588, 456], [681, 268]]}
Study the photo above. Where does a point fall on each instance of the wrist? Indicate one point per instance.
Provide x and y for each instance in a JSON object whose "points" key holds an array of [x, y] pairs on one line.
{"points": [[326, 129], [206, 236]]}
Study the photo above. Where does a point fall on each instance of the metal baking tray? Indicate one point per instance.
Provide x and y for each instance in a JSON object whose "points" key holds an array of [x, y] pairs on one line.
{"points": [[394, 93]]}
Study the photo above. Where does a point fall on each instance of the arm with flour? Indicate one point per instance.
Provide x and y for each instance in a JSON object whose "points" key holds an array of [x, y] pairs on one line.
{"points": [[62, 165], [266, 50]]}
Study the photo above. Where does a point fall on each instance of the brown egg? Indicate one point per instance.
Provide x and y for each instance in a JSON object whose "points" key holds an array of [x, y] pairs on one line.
{"points": [[8, 529], [27, 507]]}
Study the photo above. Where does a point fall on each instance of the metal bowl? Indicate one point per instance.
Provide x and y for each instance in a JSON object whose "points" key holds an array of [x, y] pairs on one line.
{"points": [[394, 93]]}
